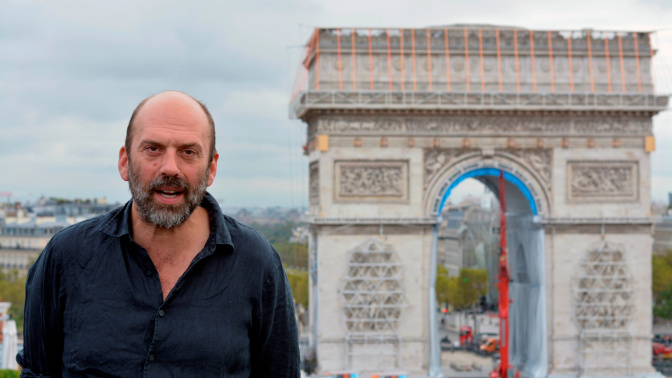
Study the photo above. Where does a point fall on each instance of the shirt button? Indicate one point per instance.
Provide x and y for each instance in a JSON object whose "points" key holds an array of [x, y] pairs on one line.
{"points": [[148, 273], [161, 313], [151, 357]]}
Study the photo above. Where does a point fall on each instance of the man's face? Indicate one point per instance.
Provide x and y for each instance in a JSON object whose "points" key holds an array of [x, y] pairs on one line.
{"points": [[167, 167], [158, 213]]}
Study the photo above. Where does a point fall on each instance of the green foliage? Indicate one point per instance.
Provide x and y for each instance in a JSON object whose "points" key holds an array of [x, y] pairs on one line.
{"points": [[463, 291], [276, 233], [12, 289], [60, 200], [294, 255], [298, 280], [473, 284], [446, 287], [6, 373], [663, 303], [661, 284], [661, 272]]}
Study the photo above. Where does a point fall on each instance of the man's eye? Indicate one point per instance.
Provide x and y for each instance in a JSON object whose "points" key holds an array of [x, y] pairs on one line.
{"points": [[190, 153]]}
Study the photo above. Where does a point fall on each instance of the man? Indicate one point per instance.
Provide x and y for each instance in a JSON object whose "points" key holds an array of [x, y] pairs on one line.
{"points": [[165, 285]]}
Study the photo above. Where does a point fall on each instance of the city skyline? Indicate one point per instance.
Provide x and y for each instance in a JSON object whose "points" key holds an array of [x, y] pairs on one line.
{"points": [[72, 74]]}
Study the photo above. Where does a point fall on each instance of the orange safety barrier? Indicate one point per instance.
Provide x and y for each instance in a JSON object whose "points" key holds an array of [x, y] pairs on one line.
{"points": [[389, 59], [620, 53], [534, 74], [415, 84], [317, 62], [429, 59], [354, 60], [499, 61], [639, 77], [515, 52], [445, 36], [480, 50], [571, 66], [590, 62], [550, 61], [370, 60], [466, 56], [606, 57], [401, 52], [338, 53]]}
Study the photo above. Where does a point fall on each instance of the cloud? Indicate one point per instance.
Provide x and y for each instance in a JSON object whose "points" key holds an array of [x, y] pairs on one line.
{"points": [[72, 72]]}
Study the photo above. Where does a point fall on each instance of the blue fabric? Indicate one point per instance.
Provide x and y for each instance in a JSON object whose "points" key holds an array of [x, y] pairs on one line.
{"points": [[495, 173], [94, 306]]}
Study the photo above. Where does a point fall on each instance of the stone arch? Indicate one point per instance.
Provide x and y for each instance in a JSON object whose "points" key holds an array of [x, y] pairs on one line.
{"points": [[530, 168]]}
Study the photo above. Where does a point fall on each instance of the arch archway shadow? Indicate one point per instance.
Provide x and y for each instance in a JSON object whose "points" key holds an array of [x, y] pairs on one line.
{"points": [[527, 337]]}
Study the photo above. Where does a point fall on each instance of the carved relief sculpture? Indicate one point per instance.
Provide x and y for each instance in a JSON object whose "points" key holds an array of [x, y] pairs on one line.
{"points": [[548, 125], [539, 160], [435, 159], [608, 180], [371, 180]]}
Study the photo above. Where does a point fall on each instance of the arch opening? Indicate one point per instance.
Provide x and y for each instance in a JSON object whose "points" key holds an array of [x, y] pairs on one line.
{"points": [[528, 345]]}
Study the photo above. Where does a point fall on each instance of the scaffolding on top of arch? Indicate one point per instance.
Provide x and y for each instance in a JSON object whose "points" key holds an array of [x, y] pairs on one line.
{"points": [[478, 66]]}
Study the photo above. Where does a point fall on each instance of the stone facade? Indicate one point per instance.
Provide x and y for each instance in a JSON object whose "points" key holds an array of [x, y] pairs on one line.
{"points": [[386, 158]]}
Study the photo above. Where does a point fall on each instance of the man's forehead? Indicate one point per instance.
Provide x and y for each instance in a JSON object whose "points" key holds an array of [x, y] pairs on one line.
{"points": [[172, 109]]}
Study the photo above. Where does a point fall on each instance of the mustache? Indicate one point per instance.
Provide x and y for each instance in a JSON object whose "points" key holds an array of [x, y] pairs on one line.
{"points": [[171, 181]]}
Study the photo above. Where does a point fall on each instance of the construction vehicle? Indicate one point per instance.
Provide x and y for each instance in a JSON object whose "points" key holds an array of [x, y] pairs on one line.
{"points": [[466, 336], [661, 351], [490, 346], [502, 371]]}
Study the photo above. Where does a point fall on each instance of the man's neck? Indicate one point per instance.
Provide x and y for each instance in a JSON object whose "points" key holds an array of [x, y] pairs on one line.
{"points": [[170, 243]]}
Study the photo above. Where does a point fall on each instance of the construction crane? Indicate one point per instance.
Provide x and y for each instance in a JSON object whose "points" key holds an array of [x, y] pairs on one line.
{"points": [[502, 371]]}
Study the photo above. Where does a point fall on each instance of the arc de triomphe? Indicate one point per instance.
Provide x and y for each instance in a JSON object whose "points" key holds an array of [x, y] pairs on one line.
{"points": [[397, 117]]}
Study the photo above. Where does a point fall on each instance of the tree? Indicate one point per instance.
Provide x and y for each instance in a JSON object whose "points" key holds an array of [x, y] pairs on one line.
{"points": [[473, 284], [12, 289], [276, 233], [663, 304], [294, 255], [464, 291], [446, 287], [298, 280], [661, 273]]}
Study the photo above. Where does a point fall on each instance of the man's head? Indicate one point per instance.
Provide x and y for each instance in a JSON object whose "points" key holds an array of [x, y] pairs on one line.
{"points": [[169, 157], [211, 122]]}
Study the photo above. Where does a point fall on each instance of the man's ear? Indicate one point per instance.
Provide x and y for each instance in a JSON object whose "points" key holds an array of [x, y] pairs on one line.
{"points": [[123, 164], [212, 169]]}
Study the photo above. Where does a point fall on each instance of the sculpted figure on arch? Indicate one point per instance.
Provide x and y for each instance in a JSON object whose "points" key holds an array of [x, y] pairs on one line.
{"points": [[165, 285]]}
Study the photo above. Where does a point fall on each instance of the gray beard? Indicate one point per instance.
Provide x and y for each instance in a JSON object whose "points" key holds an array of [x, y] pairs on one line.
{"points": [[160, 215]]}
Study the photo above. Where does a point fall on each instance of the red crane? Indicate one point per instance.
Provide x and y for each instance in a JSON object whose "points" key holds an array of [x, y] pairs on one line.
{"points": [[503, 286]]}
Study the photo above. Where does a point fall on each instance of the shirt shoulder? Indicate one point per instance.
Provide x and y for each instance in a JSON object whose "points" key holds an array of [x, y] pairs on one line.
{"points": [[81, 237]]}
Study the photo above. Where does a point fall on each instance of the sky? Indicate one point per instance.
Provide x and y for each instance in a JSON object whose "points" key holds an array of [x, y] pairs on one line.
{"points": [[71, 73]]}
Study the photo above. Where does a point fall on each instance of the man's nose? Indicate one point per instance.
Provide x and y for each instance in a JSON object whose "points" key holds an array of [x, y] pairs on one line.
{"points": [[169, 166]]}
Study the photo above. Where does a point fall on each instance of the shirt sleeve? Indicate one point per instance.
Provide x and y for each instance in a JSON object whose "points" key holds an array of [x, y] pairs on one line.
{"points": [[277, 354], [43, 322]]}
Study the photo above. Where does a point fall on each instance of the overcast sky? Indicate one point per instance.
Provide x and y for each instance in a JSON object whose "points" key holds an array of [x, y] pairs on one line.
{"points": [[71, 72]]}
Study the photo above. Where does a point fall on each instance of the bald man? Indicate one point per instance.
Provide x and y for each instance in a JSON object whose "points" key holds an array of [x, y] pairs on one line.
{"points": [[166, 285]]}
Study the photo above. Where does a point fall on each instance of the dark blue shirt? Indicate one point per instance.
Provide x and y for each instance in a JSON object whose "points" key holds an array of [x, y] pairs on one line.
{"points": [[94, 306]]}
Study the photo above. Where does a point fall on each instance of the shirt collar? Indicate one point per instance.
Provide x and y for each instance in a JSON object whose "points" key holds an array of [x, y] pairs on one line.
{"points": [[119, 221]]}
